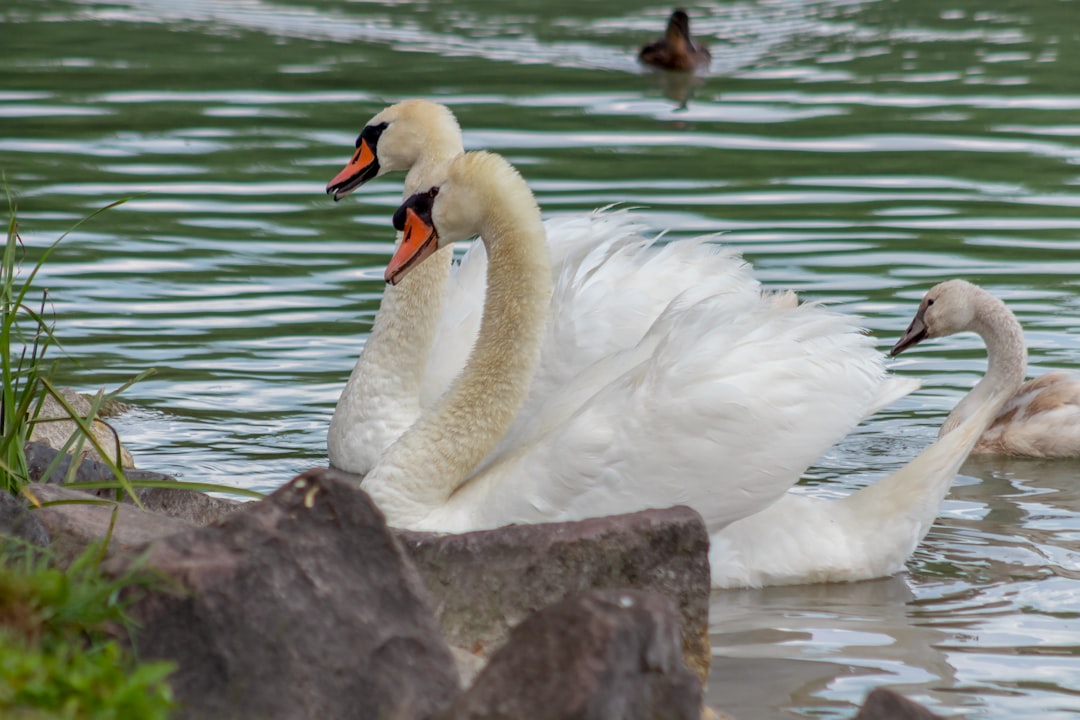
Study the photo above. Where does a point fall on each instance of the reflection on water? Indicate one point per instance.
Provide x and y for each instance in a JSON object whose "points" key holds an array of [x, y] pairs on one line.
{"points": [[856, 151], [987, 617], [779, 650]]}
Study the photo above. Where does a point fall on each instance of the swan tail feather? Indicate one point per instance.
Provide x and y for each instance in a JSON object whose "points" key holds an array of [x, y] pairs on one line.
{"points": [[892, 389]]}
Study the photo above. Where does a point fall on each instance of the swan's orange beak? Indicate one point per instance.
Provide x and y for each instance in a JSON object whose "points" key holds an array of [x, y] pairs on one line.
{"points": [[363, 167], [419, 240]]}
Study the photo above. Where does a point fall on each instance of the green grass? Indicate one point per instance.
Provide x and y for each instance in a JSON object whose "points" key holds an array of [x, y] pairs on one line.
{"points": [[26, 334], [62, 631], [61, 651]]}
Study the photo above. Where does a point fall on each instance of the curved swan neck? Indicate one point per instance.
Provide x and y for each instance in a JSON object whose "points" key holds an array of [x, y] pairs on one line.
{"points": [[404, 328], [1006, 355], [429, 462], [896, 512], [872, 531], [382, 396]]}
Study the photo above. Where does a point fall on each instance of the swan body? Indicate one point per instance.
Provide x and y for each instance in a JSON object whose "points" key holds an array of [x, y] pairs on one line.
{"points": [[427, 324], [721, 404], [1042, 418], [873, 531], [676, 50]]}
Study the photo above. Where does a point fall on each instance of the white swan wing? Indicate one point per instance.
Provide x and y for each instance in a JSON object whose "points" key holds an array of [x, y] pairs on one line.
{"points": [[576, 244], [606, 301], [722, 413], [892, 389]]}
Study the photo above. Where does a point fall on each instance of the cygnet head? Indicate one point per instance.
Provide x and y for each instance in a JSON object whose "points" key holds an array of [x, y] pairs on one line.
{"points": [[946, 309], [396, 139], [479, 190]]}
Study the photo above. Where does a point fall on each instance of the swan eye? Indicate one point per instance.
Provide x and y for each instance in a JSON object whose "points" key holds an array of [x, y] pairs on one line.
{"points": [[371, 133], [929, 302], [421, 203]]}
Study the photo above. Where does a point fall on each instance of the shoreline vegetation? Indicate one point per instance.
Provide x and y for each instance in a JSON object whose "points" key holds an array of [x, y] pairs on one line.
{"points": [[65, 634], [27, 332]]}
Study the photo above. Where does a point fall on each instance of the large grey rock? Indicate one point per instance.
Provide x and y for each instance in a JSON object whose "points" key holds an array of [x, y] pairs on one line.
{"points": [[884, 704], [17, 521], [301, 605], [81, 519], [485, 583], [604, 655]]}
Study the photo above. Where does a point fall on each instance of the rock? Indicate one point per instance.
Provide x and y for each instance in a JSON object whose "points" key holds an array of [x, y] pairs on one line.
{"points": [[18, 522], [605, 654], [190, 505], [54, 426], [301, 605], [485, 583], [83, 519], [884, 704], [40, 455]]}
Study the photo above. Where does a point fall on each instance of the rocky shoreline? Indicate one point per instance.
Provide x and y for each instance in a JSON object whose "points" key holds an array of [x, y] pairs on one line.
{"points": [[306, 605]]}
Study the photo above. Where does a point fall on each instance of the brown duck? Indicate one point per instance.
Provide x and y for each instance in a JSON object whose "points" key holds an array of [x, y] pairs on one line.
{"points": [[676, 50]]}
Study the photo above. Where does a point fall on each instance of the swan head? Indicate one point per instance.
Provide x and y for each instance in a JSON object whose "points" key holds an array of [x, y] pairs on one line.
{"points": [[474, 194], [946, 309], [398, 138]]}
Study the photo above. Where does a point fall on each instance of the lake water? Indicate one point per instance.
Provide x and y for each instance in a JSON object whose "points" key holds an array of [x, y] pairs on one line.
{"points": [[858, 152]]}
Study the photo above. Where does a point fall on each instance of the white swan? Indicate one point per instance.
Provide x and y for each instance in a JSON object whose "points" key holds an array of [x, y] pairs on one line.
{"points": [[721, 404], [873, 531], [1042, 419], [382, 396], [610, 286], [604, 293]]}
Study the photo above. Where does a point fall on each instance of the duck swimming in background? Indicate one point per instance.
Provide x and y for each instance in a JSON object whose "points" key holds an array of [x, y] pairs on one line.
{"points": [[1042, 419], [676, 50]]}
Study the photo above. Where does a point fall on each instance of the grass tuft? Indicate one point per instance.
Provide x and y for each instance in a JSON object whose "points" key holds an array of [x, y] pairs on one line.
{"points": [[63, 632], [61, 651], [26, 334]]}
